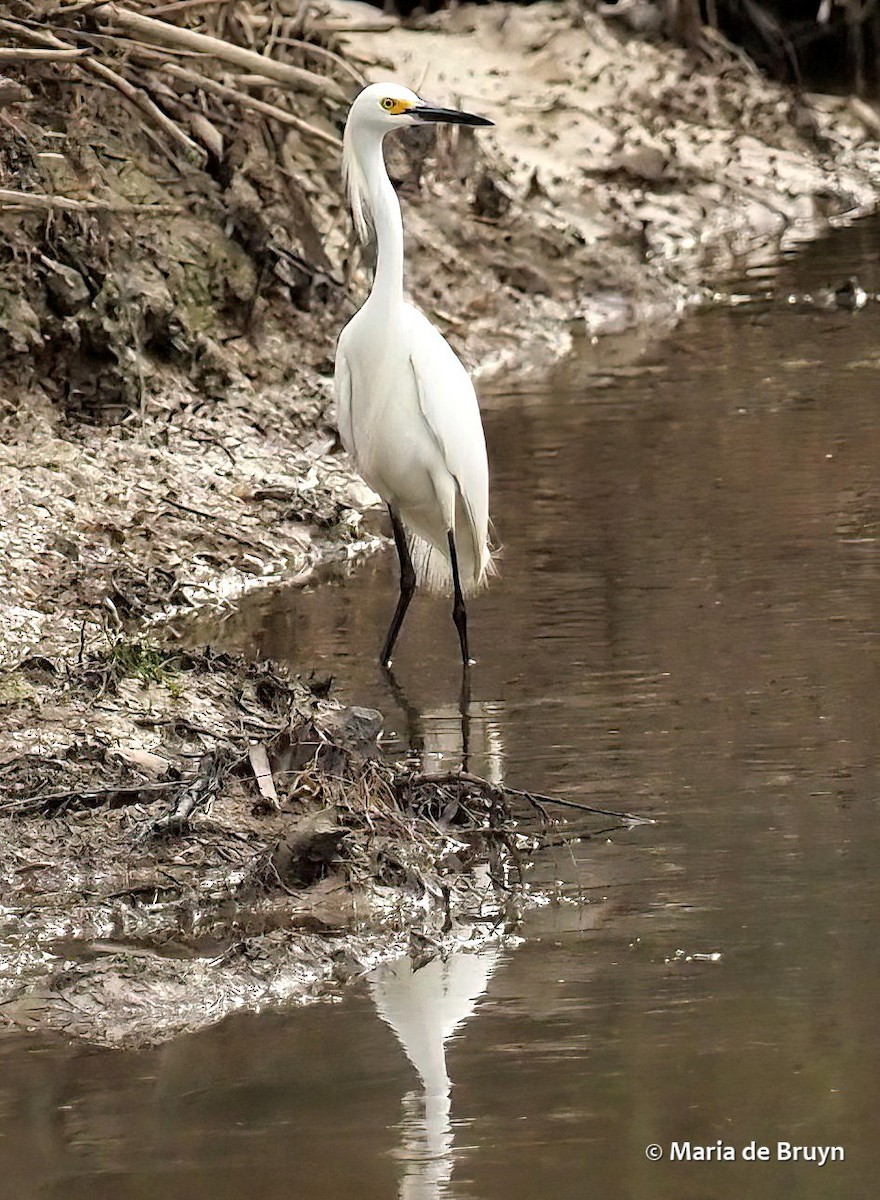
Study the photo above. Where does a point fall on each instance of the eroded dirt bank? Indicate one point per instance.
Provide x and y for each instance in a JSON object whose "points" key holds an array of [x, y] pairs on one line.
{"points": [[172, 287]]}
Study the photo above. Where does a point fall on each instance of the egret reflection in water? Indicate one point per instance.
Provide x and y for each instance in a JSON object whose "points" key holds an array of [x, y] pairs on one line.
{"points": [[468, 735], [424, 1005]]}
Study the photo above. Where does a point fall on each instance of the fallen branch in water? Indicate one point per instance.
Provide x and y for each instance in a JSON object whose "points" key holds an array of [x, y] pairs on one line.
{"points": [[536, 799]]}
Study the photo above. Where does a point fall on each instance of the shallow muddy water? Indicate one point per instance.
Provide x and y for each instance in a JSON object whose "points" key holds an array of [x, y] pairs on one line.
{"points": [[686, 626]]}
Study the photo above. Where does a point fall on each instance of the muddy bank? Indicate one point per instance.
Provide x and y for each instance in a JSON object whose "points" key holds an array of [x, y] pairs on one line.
{"points": [[184, 833], [245, 847], [166, 439]]}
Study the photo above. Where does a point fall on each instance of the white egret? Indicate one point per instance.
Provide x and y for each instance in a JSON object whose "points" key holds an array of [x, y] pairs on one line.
{"points": [[406, 408]]}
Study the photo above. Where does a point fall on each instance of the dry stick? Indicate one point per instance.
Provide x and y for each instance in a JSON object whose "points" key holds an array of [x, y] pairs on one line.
{"points": [[246, 101], [65, 9], [19, 54], [46, 203], [605, 812], [32, 803], [22, 30], [221, 527], [272, 39], [323, 52], [248, 60], [116, 39], [341, 25], [182, 5]]}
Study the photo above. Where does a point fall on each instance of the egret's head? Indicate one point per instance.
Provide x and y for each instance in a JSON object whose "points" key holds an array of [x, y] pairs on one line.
{"points": [[378, 110], [386, 106]]}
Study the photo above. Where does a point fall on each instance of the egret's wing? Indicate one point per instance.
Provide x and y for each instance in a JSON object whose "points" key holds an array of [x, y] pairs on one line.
{"points": [[449, 405], [342, 388]]}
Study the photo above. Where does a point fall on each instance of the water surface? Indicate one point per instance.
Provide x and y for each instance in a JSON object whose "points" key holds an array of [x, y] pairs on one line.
{"points": [[686, 626]]}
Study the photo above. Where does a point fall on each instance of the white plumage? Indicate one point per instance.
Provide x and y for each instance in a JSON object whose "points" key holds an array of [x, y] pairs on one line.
{"points": [[406, 408]]}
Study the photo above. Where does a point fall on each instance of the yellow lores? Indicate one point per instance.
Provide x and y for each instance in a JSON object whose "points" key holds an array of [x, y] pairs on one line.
{"points": [[396, 107]]}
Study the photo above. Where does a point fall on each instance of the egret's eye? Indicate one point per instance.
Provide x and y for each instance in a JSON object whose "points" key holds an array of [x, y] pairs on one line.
{"points": [[388, 103]]}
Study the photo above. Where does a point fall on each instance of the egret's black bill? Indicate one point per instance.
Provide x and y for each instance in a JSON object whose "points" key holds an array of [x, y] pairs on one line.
{"points": [[448, 116]]}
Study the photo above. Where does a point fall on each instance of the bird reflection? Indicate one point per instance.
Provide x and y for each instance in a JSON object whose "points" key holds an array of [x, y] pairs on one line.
{"points": [[415, 736], [467, 736], [424, 1005]]}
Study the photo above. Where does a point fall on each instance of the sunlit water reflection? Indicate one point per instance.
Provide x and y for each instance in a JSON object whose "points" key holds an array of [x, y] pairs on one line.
{"points": [[686, 626]]}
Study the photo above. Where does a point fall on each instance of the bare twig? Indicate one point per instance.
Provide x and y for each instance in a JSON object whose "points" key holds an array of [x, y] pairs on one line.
{"points": [[221, 526], [118, 40], [183, 6], [38, 37], [20, 54], [133, 94], [52, 801], [139, 98], [341, 25], [12, 199], [559, 800], [329, 55]]}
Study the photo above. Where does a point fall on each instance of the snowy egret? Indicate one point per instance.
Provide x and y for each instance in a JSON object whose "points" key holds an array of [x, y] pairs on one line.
{"points": [[406, 408]]}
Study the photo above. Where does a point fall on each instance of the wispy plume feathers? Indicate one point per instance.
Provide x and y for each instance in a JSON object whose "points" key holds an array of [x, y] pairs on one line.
{"points": [[356, 187]]}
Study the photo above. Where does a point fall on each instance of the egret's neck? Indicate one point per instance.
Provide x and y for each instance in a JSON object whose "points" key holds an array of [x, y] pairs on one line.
{"points": [[385, 207]]}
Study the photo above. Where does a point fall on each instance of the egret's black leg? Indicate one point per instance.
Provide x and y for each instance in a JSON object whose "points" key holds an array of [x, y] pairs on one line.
{"points": [[407, 587], [459, 613]]}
